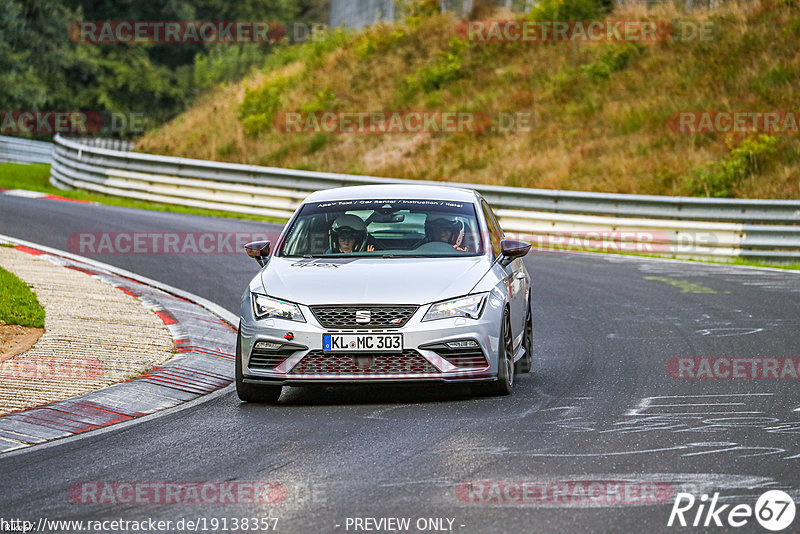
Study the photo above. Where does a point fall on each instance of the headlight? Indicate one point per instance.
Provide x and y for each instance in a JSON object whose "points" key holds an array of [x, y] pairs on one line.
{"points": [[265, 306], [470, 306]]}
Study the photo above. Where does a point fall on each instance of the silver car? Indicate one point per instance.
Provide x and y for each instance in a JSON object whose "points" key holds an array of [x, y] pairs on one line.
{"points": [[386, 284]]}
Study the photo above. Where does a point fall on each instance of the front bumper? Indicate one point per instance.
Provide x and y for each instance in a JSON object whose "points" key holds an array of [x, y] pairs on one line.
{"points": [[425, 356]]}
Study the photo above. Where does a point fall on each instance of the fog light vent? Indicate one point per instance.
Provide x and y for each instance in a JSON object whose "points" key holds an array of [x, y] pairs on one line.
{"points": [[268, 345], [466, 344]]}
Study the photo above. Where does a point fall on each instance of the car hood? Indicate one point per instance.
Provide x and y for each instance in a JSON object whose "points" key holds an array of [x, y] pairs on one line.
{"points": [[372, 280]]}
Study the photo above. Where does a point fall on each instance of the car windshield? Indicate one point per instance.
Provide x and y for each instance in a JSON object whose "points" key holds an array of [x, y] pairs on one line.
{"points": [[384, 228]]}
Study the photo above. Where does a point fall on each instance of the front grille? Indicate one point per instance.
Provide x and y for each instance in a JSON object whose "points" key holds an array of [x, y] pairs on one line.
{"points": [[379, 316], [407, 362], [270, 359], [462, 358]]}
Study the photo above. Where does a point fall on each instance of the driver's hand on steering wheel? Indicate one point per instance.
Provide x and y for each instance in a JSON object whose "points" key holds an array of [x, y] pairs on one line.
{"points": [[370, 248]]}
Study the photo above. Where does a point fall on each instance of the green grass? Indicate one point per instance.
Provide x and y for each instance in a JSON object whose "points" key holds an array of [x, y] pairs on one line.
{"points": [[740, 262], [751, 263], [35, 177], [18, 304], [737, 262]]}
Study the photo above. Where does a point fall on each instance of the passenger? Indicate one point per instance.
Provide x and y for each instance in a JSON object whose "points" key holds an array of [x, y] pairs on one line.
{"points": [[349, 234], [445, 230]]}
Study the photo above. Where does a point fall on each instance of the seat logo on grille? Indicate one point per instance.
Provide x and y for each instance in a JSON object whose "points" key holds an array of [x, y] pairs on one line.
{"points": [[363, 362], [363, 316]]}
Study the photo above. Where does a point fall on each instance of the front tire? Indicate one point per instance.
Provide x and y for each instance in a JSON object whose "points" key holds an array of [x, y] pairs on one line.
{"points": [[505, 363], [252, 392]]}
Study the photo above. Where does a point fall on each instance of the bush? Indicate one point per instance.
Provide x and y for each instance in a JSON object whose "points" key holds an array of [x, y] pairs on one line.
{"points": [[318, 141], [719, 178], [413, 10], [324, 100], [259, 106], [569, 9], [227, 63], [380, 39], [446, 68], [225, 149], [613, 58]]}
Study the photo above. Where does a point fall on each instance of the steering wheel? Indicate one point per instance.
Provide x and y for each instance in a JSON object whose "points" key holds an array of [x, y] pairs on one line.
{"points": [[435, 247]]}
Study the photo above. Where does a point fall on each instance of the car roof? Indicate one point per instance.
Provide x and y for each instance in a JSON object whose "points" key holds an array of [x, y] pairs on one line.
{"points": [[393, 191]]}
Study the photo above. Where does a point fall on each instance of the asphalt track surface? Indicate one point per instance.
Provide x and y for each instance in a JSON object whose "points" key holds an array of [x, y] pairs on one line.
{"points": [[599, 406]]}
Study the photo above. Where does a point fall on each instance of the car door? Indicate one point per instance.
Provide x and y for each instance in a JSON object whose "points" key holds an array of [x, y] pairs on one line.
{"points": [[514, 278]]}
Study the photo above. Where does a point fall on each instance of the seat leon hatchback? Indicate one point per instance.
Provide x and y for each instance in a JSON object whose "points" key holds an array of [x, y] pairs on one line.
{"points": [[386, 284]]}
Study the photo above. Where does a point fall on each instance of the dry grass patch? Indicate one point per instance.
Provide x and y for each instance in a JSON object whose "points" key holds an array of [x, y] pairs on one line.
{"points": [[601, 108]]}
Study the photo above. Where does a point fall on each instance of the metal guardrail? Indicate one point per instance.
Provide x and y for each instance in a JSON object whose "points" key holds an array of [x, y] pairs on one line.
{"points": [[681, 227], [100, 142], [19, 150]]}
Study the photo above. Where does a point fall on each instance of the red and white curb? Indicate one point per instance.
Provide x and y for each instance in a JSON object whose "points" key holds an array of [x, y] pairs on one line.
{"points": [[205, 342], [24, 193]]}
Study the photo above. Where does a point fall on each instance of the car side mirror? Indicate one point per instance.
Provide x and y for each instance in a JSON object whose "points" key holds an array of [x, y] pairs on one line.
{"points": [[512, 249], [259, 251]]}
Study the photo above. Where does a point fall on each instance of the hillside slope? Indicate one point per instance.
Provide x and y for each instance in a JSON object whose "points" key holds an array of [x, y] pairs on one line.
{"points": [[602, 110]]}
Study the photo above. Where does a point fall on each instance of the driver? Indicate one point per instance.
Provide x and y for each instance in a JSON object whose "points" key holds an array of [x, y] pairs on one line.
{"points": [[349, 234], [444, 229]]}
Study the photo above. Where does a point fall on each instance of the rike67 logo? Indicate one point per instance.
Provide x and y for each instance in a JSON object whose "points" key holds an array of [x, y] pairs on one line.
{"points": [[774, 510]]}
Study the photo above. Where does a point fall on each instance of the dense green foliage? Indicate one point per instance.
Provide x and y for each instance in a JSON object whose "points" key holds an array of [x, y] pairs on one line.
{"points": [[42, 69]]}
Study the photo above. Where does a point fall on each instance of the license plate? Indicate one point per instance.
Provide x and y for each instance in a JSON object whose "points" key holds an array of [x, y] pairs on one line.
{"points": [[362, 342]]}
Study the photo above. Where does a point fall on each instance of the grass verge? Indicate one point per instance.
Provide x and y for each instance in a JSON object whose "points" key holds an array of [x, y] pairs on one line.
{"points": [[735, 262], [18, 303], [36, 177]]}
